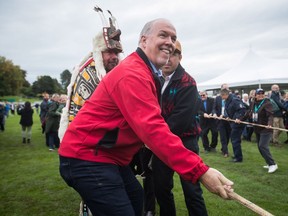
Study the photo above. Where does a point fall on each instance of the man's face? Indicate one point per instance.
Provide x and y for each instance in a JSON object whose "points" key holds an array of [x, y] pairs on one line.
{"points": [[172, 64], [110, 59], [275, 88], [224, 96], [203, 96], [160, 43]]}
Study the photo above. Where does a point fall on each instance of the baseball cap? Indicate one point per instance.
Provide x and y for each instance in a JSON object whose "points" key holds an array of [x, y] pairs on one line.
{"points": [[260, 91]]}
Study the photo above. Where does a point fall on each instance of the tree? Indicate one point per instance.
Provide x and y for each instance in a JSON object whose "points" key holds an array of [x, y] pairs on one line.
{"points": [[65, 77], [46, 84], [12, 78]]}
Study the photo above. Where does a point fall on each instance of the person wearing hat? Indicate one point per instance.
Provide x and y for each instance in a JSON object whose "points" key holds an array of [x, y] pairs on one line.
{"points": [[121, 115], [180, 104], [106, 54], [261, 113]]}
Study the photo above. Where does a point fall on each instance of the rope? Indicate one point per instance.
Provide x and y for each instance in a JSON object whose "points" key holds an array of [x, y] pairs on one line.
{"points": [[247, 123]]}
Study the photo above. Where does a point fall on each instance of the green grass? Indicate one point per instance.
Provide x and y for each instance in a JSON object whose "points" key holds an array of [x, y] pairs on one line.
{"points": [[30, 183]]}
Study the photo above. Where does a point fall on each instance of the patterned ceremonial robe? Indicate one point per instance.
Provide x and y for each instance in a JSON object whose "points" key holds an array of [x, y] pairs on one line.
{"points": [[83, 83]]}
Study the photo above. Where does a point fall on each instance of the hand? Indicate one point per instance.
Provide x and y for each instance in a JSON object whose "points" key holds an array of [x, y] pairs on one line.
{"points": [[268, 126], [214, 115], [206, 115], [237, 121], [217, 183]]}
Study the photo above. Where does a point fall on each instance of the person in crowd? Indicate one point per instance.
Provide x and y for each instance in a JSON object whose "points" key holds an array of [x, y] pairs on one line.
{"points": [[62, 102], [122, 114], [12, 108], [207, 124], [6, 113], [286, 115], [43, 113], [261, 113], [52, 122], [26, 122], [179, 111], [2, 112], [235, 110], [37, 108], [107, 51], [246, 132], [222, 126], [278, 120]]}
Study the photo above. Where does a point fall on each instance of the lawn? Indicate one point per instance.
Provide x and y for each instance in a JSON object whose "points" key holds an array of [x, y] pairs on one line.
{"points": [[30, 183]]}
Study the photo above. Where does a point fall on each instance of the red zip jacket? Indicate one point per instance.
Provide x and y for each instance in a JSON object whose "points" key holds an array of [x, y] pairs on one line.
{"points": [[121, 115]]}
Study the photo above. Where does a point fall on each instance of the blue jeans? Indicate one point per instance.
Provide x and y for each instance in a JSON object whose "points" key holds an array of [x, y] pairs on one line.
{"points": [[107, 189]]}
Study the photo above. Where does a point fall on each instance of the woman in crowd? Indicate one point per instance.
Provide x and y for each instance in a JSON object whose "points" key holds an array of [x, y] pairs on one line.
{"points": [[26, 121], [261, 113]]}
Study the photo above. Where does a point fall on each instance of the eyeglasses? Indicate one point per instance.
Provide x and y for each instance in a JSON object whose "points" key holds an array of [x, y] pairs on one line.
{"points": [[203, 95]]}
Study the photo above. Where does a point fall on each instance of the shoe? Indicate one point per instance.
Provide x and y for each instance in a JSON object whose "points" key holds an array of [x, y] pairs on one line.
{"points": [[286, 142], [51, 150], [266, 167], [225, 155], [272, 168], [28, 140], [236, 161], [206, 151], [24, 140]]}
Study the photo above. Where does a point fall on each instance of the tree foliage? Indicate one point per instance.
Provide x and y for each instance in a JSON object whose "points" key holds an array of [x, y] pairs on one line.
{"points": [[65, 77], [12, 78], [46, 84]]}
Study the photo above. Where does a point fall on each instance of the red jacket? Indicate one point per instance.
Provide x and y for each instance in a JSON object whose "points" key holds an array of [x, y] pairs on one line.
{"points": [[121, 115]]}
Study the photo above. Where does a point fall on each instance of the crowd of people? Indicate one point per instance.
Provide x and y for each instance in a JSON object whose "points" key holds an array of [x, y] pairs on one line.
{"points": [[265, 108]]}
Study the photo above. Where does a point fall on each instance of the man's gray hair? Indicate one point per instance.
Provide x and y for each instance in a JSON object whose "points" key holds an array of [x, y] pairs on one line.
{"points": [[148, 27]]}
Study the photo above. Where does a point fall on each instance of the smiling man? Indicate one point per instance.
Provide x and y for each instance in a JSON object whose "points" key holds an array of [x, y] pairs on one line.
{"points": [[121, 115]]}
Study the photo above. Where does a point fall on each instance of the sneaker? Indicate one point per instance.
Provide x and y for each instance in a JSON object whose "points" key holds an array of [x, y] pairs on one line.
{"points": [[51, 150], [272, 168], [266, 167], [225, 155]]}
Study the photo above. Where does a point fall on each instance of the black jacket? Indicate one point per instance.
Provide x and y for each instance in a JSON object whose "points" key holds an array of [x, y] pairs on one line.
{"points": [[209, 108], [179, 104]]}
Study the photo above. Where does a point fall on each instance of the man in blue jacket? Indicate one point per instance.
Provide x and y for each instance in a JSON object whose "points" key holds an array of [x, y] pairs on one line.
{"points": [[235, 110]]}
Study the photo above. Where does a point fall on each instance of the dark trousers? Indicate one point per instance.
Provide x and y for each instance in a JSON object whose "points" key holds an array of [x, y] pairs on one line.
{"points": [[236, 133], [225, 132], [263, 140], [107, 189], [53, 140], [163, 185], [204, 136]]}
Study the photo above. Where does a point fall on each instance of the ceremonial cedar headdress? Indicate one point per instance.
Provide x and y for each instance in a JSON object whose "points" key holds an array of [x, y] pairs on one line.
{"points": [[109, 38]]}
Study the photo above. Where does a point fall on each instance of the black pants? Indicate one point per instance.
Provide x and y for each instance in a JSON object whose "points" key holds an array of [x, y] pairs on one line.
{"points": [[204, 136], [163, 185], [225, 133]]}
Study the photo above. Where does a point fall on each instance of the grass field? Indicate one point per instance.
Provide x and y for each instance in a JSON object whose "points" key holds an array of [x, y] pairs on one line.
{"points": [[30, 183]]}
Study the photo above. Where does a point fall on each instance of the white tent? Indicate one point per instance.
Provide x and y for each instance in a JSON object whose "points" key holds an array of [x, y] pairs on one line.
{"points": [[252, 70]]}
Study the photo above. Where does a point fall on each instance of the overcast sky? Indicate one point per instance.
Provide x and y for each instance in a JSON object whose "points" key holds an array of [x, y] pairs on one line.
{"points": [[47, 37]]}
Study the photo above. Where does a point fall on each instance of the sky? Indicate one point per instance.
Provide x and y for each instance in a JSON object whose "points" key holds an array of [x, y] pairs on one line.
{"points": [[48, 37]]}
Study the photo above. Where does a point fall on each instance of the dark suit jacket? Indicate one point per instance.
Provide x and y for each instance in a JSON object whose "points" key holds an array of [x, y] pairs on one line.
{"points": [[209, 108]]}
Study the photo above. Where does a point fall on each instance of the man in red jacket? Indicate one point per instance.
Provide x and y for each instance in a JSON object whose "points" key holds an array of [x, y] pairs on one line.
{"points": [[121, 115]]}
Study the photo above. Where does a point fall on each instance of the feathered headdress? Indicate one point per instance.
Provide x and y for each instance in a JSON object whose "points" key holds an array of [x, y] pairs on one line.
{"points": [[109, 38]]}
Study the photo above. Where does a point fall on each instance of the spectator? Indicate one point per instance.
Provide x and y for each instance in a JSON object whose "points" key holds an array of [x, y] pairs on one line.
{"points": [[207, 124], [26, 121], [222, 126], [234, 109], [43, 113], [52, 122], [121, 115], [278, 120], [286, 115], [2, 112]]}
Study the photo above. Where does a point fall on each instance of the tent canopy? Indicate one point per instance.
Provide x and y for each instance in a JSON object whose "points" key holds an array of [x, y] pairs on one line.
{"points": [[252, 70]]}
